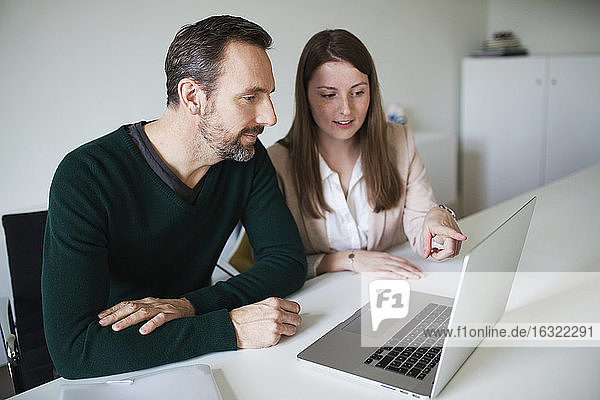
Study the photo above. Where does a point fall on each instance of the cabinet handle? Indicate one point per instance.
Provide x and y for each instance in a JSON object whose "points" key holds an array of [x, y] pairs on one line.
{"points": [[553, 81], [538, 82]]}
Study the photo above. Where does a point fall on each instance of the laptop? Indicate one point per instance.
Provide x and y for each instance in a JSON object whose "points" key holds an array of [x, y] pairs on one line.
{"points": [[407, 361]]}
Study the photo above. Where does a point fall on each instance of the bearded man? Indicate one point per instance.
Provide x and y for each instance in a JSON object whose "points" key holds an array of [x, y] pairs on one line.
{"points": [[137, 220]]}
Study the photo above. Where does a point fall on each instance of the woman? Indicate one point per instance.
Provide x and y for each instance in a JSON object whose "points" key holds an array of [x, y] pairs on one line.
{"points": [[354, 183]]}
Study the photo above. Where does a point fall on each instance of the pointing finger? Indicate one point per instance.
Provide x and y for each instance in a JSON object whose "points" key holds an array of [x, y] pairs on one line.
{"points": [[449, 232]]}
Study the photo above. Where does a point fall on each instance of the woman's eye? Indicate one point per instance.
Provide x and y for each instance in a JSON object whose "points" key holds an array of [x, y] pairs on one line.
{"points": [[327, 95], [359, 93]]}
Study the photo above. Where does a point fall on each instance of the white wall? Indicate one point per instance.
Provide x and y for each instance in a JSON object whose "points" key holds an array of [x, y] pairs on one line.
{"points": [[549, 26], [73, 70]]}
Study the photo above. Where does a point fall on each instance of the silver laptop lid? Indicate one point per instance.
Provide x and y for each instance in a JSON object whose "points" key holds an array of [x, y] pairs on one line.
{"points": [[484, 287]]}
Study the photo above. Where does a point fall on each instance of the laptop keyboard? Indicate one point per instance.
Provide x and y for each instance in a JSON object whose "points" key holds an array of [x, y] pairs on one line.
{"points": [[409, 352]]}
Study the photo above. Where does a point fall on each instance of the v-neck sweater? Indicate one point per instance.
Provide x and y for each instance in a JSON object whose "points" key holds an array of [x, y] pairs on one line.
{"points": [[116, 231]]}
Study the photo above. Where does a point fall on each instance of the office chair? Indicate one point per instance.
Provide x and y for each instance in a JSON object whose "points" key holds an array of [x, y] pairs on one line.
{"points": [[224, 269], [242, 258], [29, 362]]}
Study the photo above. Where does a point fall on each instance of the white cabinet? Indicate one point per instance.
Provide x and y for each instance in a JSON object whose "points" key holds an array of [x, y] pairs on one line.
{"points": [[573, 130], [525, 121]]}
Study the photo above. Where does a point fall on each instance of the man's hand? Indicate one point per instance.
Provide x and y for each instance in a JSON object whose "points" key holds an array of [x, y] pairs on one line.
{"points": [[155, 311], [261, 324], [439, 222]]}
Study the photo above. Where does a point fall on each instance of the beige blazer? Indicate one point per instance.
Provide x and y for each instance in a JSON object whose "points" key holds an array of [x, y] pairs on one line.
{"points": [[387, 228]]}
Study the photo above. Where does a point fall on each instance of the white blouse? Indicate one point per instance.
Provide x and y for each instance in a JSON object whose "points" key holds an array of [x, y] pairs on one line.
{"points": [[347, 223]]}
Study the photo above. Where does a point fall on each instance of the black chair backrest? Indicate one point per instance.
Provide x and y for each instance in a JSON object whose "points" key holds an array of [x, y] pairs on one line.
{"points": [[24, 243]]}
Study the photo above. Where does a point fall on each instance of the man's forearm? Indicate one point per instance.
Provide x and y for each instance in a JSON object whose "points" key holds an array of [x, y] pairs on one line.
{"points": [[98, 351]]}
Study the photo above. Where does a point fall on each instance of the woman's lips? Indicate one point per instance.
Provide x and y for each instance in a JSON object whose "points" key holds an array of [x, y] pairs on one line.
{"points": [[343, 124]]}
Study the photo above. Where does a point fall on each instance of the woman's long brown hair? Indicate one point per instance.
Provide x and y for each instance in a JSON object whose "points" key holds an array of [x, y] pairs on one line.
{"points": [[378, 159]]}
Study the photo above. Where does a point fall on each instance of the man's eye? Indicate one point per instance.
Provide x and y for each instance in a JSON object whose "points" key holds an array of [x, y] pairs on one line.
{"points": [[249, 98]]}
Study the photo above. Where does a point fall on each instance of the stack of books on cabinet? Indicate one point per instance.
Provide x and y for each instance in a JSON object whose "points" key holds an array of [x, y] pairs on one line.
{"points": [[503, 43]]}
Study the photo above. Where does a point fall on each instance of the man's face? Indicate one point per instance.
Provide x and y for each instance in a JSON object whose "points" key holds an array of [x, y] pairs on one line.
{"points": [[240, 107]]}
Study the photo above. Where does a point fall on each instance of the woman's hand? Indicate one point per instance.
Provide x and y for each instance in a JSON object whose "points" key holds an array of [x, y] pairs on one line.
{"points": [[373, 263], [439, 222]]}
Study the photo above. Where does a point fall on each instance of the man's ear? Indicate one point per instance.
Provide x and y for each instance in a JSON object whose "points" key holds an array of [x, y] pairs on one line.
{"points": [[192, 97]]}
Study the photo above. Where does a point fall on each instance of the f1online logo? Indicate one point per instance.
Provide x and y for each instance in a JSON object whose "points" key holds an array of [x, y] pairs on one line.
{"points": [[388, 299], [381, 296]]}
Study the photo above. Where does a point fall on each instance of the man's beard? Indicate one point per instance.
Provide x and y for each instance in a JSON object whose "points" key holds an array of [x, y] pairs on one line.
{"points": [[226, 147]]}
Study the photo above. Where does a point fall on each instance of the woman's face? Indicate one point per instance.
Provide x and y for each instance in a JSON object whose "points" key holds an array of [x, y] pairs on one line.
{"points": [[338, 96]]}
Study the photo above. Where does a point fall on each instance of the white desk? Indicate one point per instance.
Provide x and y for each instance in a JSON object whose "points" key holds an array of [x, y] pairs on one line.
{"points": [[562, 240]]}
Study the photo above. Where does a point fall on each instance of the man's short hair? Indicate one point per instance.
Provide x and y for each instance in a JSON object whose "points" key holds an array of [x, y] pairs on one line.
{"points": [[197, 51]]}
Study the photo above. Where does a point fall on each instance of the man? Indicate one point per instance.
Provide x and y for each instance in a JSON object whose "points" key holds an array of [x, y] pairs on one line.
{"points": [[138, 218]]}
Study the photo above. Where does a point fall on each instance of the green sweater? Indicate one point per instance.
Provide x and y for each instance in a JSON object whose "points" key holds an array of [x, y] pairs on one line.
{"points": [[115, 232]]}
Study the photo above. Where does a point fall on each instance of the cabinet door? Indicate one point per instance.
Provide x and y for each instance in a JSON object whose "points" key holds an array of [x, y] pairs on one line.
{"points": [[573, 140], [502, 129]]}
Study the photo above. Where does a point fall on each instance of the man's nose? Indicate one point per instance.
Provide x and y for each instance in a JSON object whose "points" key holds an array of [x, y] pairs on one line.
{"points": [[266, 114]]}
